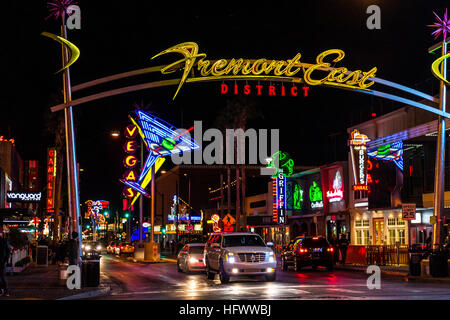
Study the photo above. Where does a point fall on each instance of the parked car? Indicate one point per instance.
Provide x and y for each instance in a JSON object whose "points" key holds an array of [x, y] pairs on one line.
{"points": [[288, 253], [310, 251], [190, 258], [238, 254], [124, 248], [111, 248]]}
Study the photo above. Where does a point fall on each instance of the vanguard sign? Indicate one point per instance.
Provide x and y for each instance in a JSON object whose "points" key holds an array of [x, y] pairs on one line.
{"points": [[23, 196]]}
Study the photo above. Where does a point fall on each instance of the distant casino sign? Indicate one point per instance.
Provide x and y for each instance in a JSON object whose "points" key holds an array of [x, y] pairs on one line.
{"points": [[23, 196]]}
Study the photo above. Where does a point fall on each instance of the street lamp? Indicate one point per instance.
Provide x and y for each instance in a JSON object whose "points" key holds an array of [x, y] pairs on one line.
{"points": [[115, 133]]}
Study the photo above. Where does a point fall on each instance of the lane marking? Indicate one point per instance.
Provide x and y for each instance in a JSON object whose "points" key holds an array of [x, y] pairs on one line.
{"points": [[345, 290]]}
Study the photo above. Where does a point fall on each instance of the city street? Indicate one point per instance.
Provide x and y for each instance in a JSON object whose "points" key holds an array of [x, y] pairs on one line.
{"points": [[162, 281]]}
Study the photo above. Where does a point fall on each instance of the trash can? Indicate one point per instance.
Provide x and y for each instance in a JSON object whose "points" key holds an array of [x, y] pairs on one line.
{"points": [[63, 275], [414, 264], [439, 264], [90, 273]]}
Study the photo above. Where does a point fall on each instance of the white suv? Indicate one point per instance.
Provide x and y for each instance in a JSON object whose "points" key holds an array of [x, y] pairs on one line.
{"points": [[238, 254]]}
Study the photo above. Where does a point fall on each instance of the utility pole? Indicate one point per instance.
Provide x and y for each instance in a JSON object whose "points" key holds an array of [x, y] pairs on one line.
{"points": [[228, 189], [152, 210], [73, 196], [177, 206], [221, 195]]}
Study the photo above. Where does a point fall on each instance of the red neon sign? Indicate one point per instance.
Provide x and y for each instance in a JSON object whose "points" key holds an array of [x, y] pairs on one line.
{"points": [[271, 90], [51, 174]]}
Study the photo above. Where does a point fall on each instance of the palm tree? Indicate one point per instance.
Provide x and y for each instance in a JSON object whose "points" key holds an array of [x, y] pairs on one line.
{"points": [[234, 115]]}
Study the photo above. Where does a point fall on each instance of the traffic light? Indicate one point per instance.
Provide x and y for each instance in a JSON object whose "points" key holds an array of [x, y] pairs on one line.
{"points": [[127, 215], [106, 214], [163, 229]]}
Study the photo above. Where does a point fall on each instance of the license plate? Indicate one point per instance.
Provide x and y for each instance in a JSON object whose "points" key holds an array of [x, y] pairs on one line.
{"points": [[317, 250]]}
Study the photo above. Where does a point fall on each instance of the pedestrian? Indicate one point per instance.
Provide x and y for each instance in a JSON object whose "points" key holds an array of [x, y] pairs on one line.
{"points": [[72, 250], [428, 241], [5, 253], [343, 244]]}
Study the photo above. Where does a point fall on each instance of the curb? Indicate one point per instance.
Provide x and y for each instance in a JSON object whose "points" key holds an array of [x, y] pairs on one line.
{"points": [[386, 272], [90, 294], [427, 280], [163, 260]]}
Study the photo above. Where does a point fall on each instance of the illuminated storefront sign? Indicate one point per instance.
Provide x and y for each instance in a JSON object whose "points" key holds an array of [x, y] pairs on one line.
{"points": [[216, 218], [279, 209], [23, 196], [161, 140], [94, 209], [337, 193], [281, 162], [51, 177], [390, 152], [264, 69], [315, 196], [130, 161], [270, 90], [359, 159]]}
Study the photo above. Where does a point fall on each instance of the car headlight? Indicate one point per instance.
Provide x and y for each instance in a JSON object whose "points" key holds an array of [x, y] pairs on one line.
{"points": [[99, 247], [87, 248], [271, 257], [230, 257], [193, 260]]}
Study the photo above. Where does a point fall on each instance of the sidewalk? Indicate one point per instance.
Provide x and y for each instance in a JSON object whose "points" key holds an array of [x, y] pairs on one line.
{"points": [[43, 283], [399, 271]]}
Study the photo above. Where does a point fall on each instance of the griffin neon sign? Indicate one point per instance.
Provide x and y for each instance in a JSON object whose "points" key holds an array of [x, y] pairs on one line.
{"points": [[264, 69]]}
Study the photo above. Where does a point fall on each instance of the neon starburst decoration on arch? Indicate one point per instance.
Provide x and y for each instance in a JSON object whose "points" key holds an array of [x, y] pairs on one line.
{"points": [[58, 8], [442, 25]]}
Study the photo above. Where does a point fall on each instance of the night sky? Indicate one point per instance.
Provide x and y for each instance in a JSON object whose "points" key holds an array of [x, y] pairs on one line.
{"points": [[120, 36]]}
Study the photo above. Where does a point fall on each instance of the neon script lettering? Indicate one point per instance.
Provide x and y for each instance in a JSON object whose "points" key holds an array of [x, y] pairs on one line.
{"points": [[263, 68]]}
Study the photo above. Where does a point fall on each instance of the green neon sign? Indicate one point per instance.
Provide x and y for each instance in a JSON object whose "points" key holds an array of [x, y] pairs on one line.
{"points": [[315, 194], [168, 143], [298, 197], [281, 162]]}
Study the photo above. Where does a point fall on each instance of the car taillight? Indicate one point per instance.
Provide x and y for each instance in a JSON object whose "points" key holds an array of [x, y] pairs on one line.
{"points": [[303, 250], [121, 247], [330, 249], [315, 238]]}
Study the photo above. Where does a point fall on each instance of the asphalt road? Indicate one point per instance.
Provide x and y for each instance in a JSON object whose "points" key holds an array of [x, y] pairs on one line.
{"points": [[134, 281]]}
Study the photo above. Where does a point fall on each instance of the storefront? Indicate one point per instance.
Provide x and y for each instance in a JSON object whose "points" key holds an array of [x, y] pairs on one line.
{"points": [[335, 182], [279, 235], [305, 203], [379, 227]]}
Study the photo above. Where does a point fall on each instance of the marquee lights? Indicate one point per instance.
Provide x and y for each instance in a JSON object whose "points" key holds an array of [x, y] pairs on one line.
{"points": [[359, 157], [264, 69], [51, 179], [279, 209], [130, 161]]}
